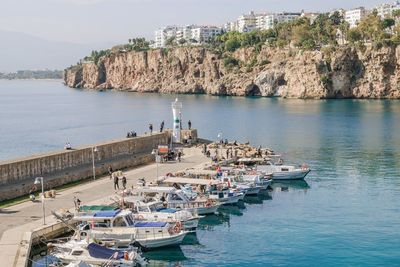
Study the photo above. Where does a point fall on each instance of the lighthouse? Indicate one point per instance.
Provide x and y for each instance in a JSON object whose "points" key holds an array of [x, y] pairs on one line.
{"points": [[176, 111]]}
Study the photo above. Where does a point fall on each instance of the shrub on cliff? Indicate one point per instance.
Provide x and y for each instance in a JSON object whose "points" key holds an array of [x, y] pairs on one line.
{"points": [[230, 62]]}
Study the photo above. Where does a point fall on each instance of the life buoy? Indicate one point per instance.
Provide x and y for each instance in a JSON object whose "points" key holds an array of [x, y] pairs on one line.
{"points": [[140, 217], [208, 203], [177, 228]]}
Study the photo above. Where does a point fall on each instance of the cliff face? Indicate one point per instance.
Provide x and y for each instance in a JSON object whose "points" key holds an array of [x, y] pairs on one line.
{"points": [[343, 73]]}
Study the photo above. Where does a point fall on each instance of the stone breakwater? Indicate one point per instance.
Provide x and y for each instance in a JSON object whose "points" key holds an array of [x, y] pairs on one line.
{"points": [[59, 168], [344, 72]]}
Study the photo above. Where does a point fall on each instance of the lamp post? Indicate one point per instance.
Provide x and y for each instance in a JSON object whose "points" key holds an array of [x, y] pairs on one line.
{"points": [[219, 143], [94, 149], [158, 159], [39, 180]]}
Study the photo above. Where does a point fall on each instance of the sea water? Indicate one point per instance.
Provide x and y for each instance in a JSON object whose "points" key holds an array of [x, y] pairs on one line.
{"points": [[346, 213]]}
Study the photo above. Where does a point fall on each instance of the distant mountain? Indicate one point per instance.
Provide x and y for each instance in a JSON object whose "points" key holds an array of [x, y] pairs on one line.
{"points": [[23, 51]]}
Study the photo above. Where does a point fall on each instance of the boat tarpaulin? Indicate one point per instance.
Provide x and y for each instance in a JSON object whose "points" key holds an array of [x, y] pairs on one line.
{"points": [[180, 180], [149, 224], [100, 252], [166, 210], [107, 213], [96, 208]]}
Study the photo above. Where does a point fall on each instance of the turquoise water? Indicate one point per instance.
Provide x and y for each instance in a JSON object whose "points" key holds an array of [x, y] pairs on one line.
{"points": [[346, 214]]}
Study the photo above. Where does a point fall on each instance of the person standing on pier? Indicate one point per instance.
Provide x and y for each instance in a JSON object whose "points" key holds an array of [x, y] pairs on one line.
{"points": [[151, 128], [110, 171], [179, 155], [116, 184], [162, 126], [124, 182], [189, 125]]}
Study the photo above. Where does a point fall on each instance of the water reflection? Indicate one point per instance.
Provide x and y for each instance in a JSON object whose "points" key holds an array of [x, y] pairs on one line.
{"points": [[290, 185], [212, 220], [165, 254], [258, 199]]}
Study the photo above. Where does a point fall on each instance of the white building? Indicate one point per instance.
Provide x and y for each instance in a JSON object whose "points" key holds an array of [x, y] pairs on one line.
{"points": [[354, 16], [268, 21], [247, 22], [203, 34], [386, 10], [162, 35]]}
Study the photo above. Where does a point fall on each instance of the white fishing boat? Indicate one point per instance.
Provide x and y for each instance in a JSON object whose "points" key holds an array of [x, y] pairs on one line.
{"points": [[155, 211], [176, 199], [236, 181], [284, 172], [81, 252], [213, 189], [121, 226], [258, 179]]}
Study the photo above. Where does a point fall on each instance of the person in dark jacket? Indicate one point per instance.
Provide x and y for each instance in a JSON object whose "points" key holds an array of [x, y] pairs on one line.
{"points": [[116, 182], [110, 171], [124, 182], [189, 125]]}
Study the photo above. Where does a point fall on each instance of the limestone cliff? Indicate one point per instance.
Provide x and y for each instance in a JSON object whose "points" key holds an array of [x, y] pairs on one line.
{"points": [[340, 73]]}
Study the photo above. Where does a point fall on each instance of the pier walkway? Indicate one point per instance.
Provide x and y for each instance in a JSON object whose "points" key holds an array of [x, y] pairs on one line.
{"points": [[17, 220]]}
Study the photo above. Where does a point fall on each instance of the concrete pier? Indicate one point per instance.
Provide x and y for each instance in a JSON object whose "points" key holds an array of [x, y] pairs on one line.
{"points": [[21, 223], [59, 168]]}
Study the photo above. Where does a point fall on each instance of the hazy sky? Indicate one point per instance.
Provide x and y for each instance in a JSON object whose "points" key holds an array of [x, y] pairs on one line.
{"points": [[96, 21]]}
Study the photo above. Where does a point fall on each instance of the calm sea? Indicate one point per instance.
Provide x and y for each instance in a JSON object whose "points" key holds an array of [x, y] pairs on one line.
{"points": [[347, 213]]}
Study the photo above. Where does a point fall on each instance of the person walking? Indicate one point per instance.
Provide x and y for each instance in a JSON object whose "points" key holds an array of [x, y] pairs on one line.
{"points": [[162, 126], [151, 128], [116, 184], [179, 156], [189, 125], [110, 171], [124, 182]]}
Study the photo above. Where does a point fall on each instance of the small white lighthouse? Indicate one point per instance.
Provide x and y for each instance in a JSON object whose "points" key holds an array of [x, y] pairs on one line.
{"points": [[176, 111]]}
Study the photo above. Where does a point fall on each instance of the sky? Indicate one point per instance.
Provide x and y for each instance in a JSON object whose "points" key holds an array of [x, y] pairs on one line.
{"points": [[115, 21]]}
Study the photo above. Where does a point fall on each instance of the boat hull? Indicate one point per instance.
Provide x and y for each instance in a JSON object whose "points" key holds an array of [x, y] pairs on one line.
{"points": [[291, 175], [174, 240]]}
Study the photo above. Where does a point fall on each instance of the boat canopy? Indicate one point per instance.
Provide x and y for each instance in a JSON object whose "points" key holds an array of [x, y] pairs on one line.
{"points": [[200, 172], [166, 210], [96, 208], [100, 252], [149, 224], [107, 213], [180, 180], [248, 160], [155, 189]]}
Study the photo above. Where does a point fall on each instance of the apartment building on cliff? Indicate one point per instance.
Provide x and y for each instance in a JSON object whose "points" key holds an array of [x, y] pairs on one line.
{"points": [[260, 21], [354, 16], [192, 34], [386, 10]]}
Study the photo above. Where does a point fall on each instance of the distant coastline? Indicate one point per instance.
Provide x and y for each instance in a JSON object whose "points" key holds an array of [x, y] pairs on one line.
{"points": [[32, 75]]}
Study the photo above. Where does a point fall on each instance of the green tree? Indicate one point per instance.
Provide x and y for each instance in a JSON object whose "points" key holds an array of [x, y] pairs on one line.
{"points": [[354, 35], [231, 45]]}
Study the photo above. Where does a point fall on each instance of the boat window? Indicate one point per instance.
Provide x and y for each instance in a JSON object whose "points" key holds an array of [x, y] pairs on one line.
{"points": [[142, 209], [119, 222], [284, 169], [76, 252], [129, 220]]}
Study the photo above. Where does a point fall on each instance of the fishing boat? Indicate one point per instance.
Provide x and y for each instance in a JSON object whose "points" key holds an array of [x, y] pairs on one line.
{"points": [[284, 172], [176, 199], [155, 211], [121, 226], [213, 189], [78, 251]]}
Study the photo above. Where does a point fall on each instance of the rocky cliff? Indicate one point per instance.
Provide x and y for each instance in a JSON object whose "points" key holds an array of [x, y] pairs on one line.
{"points": [[343, 72]]}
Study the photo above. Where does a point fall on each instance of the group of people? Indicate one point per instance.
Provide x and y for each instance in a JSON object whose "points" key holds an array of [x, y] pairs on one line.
{"points": [[131, 134], [162, 125], [67, 146], [116, 178]]}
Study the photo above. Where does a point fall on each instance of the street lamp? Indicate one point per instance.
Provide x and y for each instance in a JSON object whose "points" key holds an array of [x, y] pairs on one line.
{"points": [[39, 180], [94, 149], [158, 158], [219, 143]]}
